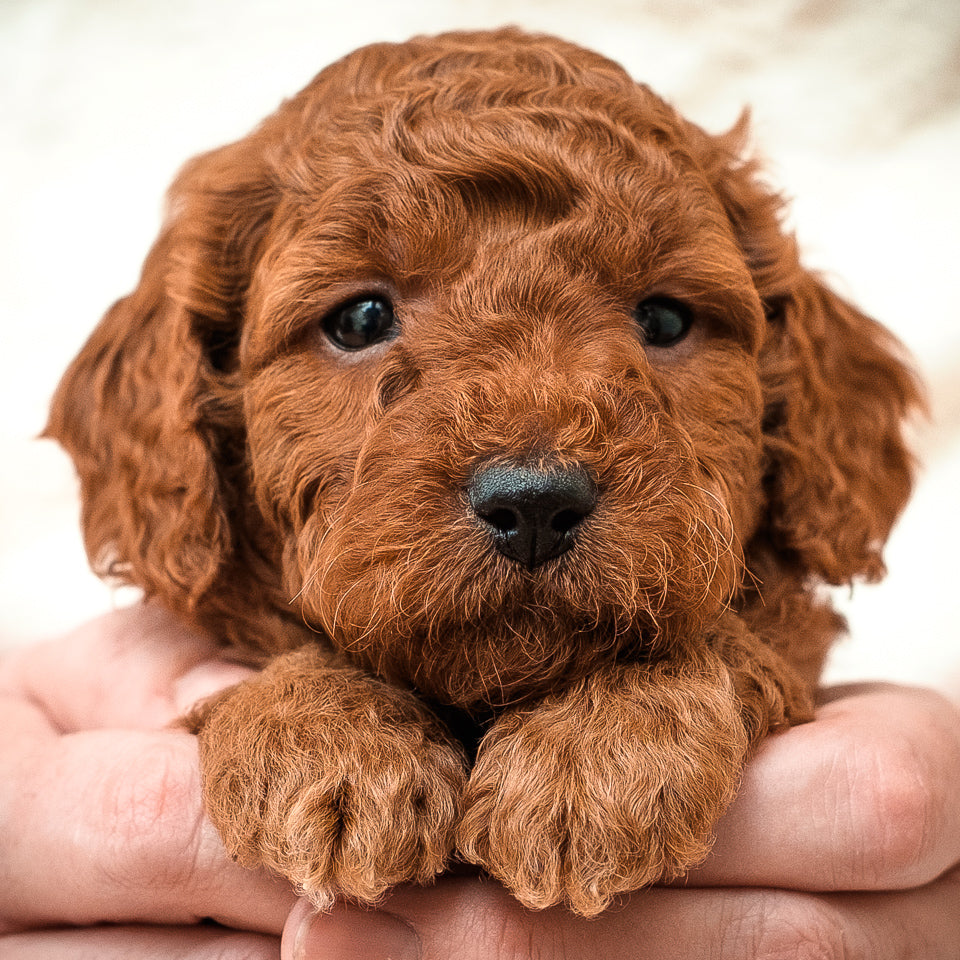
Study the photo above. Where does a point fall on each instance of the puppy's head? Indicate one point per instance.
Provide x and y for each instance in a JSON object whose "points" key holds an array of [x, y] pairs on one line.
{"points": [[480, 360]]}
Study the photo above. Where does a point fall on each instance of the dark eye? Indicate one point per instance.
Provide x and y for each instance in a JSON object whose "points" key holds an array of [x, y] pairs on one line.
{"points": [[360, 324], [663, 321]]}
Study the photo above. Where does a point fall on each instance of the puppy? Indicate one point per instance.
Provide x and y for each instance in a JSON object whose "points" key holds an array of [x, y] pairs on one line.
{"points": [[482, 400]]}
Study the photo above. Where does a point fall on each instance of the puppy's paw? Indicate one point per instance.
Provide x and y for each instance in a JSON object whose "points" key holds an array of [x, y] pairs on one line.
{"points": [[576, 802], [341, 784]]}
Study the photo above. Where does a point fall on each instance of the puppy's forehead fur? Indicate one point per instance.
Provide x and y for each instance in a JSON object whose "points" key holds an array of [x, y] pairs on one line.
{"points": [[442, 177]]}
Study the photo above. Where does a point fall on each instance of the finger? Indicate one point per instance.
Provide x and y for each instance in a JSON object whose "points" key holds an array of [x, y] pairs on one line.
{"points": [[110, 827], [138, 667], [140, 943], [470, 920], [862, 798]]}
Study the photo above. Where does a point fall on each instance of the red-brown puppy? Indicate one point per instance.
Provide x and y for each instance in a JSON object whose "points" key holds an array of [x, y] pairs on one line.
{"points": [[481, 398]]}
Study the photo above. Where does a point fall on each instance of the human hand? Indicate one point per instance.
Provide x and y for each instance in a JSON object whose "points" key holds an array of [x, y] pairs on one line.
{"points": [[104, 849], [843, 842], [104, 825]]}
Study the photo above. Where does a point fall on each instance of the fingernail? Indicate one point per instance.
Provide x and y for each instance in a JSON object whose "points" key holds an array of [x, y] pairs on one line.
{"points": [[353, 934]]}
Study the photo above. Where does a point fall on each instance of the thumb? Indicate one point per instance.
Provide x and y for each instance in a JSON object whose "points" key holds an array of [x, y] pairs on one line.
{"points": [[347, 932], [462, 917]]}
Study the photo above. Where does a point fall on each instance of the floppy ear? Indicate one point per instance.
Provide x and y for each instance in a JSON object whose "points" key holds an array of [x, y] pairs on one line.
{"points": [[837, 396], [837, 393], [148, 410]]}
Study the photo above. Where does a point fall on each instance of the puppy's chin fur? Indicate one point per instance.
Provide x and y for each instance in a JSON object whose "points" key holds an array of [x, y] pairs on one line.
{"points": [[515, 200]]}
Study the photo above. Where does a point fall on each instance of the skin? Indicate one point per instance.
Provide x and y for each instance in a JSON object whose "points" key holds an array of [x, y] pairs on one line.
{"points": [[844, 841]]}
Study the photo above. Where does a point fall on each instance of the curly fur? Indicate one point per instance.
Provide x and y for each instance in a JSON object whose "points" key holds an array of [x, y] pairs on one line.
{"points": [[514, 196]]}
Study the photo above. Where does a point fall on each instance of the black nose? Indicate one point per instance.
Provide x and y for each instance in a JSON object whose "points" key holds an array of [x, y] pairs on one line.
{"points": [[531, 513]]}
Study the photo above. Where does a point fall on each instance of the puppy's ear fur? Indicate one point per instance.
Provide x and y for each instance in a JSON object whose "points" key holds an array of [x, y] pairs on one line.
{"points": [[148, 407], [837, 392]]}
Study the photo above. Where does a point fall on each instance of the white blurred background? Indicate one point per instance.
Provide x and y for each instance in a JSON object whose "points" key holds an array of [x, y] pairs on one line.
{"points": [[856, 105]]}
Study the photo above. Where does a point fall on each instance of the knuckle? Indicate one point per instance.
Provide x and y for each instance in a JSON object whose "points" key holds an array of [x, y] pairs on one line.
{"points": [[900, 814], [150, 799], [783, 926], [498, 928]]}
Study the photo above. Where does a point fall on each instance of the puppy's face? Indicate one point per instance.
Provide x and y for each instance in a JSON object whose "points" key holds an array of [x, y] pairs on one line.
{"points": [[480, 360], [502, 394]]}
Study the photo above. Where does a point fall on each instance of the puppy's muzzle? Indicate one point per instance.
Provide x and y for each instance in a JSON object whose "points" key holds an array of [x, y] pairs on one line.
{"points": [[531, 514]]}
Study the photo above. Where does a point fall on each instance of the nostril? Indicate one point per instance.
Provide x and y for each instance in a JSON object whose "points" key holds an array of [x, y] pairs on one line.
{"points": [[566, 520], [501, 519]]}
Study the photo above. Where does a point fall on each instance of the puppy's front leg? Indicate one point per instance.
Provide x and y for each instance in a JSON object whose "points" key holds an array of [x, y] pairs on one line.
{"points": [[619, 781], [342, 784]]}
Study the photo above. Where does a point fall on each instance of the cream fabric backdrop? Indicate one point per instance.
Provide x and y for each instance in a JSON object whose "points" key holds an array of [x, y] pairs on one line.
{"points": [[856, 104]]}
